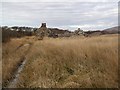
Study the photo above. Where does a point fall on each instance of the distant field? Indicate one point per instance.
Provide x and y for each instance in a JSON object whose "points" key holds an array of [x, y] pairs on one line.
{"points": [[75, 62]]}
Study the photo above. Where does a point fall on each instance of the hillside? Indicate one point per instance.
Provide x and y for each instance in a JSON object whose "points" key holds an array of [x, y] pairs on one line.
{"points": [[112, 30]]}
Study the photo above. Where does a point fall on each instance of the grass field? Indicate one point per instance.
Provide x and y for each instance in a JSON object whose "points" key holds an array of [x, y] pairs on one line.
{"points": [[75, 62], [12, 54]]}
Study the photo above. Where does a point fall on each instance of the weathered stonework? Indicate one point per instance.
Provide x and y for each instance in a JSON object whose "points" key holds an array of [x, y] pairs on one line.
{"points": [[79, 32], [42, 31]]}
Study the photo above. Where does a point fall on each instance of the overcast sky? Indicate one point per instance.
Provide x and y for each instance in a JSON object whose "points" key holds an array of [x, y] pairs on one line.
{"points": [[63, 14]]}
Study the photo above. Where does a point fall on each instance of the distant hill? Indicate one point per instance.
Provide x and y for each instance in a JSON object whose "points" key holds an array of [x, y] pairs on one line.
{"points": [[58, 31], [112, 30]]}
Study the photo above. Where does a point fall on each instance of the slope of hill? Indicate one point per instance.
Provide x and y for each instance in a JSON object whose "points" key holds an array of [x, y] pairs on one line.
{"points": [[112, 30]]}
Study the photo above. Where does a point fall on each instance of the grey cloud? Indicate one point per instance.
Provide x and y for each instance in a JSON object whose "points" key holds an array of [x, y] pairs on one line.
{"points": [[64, 15], [61, 0]]}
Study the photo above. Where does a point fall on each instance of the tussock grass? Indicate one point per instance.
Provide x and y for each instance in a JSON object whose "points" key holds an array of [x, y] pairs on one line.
{"points": [[0, 73], [12, 55], [72, 62]]}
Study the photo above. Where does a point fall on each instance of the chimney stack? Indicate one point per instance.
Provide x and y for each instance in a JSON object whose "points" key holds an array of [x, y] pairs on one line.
{"points": [[43, 25]]}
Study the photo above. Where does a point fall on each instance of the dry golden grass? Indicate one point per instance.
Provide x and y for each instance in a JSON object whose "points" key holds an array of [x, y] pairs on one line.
{"points": [[72, 62], [0, 65], [12, 55]]}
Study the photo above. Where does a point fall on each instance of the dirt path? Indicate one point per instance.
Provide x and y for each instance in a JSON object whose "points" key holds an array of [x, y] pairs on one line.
{"points": [[13, 82]]}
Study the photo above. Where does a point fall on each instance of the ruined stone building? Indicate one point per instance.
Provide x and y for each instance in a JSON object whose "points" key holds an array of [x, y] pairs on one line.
{"points": [[42, 31], [79, 32]]}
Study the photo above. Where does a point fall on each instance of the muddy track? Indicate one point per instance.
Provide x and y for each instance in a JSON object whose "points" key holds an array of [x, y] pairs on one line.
{"points": [[13, 81]]}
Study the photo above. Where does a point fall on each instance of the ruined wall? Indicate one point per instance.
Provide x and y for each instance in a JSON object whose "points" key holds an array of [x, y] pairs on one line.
{"points": [[42, 31], [79, 32]]}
